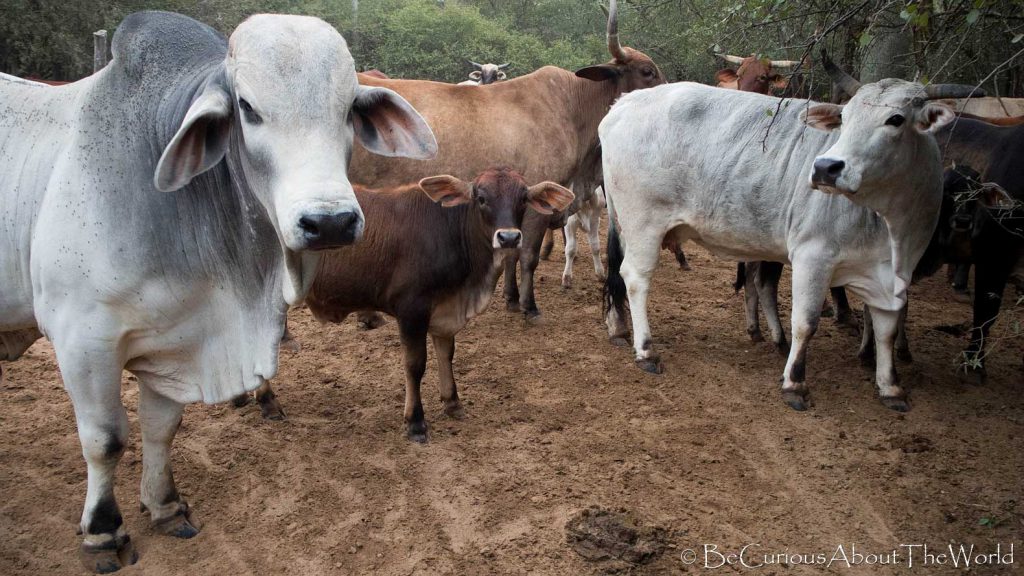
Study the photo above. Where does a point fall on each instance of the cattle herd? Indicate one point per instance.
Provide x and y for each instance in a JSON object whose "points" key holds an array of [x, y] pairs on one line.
{"points": [[162, 215]]}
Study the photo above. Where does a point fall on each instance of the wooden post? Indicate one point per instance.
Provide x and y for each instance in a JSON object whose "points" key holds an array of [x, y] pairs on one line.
{"points": [[99, 50]]}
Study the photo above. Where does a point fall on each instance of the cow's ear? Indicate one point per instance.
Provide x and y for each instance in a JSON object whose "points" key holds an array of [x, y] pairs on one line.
{"points": [[388, 125], [932, 116], [475, 75], [726, 76], [199, 144], [994, 196], [447, 190], [599, 72], [547, 197], [825, 117]]}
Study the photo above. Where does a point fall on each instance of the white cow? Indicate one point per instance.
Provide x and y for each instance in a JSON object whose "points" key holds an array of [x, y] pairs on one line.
{"points": [[587, 218], [685, 161], [485, 74], [159, 217]]}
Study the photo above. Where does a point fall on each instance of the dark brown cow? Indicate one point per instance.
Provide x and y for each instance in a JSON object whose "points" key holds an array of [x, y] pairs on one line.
{"points": [[759, 75], [543, 124], [431, 261]]}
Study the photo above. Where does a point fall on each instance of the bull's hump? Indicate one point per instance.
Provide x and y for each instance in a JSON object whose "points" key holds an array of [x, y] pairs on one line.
{"points": [[153, 42]]}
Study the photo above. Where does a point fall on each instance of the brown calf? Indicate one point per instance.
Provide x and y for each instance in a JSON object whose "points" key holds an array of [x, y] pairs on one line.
{"points": [[429, 258]]}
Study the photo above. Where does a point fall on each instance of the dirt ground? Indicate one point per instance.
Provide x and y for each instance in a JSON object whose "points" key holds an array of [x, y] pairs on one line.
{"points": [[558, 420]]}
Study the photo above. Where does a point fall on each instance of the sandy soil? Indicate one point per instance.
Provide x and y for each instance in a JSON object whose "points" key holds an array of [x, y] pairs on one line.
{"points": [[557, 420]]}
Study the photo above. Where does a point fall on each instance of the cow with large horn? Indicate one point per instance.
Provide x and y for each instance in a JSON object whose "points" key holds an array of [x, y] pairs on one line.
{"points": [[761, 75], [484, 74]]}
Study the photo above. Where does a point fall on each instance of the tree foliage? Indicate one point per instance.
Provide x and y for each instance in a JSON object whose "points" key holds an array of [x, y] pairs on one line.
{"points": [[978, 41]]}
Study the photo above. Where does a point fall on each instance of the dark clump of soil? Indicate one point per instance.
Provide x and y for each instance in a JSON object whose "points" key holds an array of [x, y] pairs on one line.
{"points": [[601, 535], [912, 444]]}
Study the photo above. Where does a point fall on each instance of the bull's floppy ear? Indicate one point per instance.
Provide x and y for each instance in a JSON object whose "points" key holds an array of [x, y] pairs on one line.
{"points": [[726, 76], [199, 144], [599, 72], [475, 75], [825, 117], [447, 190], [994, 196], [547, 197], [932, 116], [388, 125]]}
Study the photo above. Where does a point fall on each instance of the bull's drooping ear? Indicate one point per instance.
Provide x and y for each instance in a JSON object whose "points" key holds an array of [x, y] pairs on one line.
{"points": [[825, 117], [475, 75], [599, 72], [388, 125], [547, 197], [447, 190], [994, 196], [727, 78], [201, 140], [932, 116]]}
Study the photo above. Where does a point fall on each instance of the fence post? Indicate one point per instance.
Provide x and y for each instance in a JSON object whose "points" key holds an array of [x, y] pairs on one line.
{"points": [[99, 50]]}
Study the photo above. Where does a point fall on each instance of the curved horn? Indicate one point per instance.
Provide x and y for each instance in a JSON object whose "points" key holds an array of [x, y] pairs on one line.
{"points": [[846, 83], [503, 66], [613, 33], [475, 65], [784, 63], [730, 58], [933, 91]]}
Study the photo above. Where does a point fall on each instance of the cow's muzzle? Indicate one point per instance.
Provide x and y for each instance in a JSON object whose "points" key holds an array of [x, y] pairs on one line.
{"points": [[826, 172], [508, 238], [322, 231]]}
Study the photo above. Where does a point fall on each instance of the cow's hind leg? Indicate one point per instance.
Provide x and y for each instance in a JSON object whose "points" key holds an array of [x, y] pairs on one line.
{"points": [[413, 332], [810, 284], [592, 225], [270, 407], [444, 349], [748, 271], [866, 354], [159, 418], [93, 380], [885, 326], [638, 265]]}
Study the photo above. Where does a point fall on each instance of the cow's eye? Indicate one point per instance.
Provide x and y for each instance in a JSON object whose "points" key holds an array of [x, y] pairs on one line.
{"points": [[896, 120], [481, 200], [648, 72], [248, 113]]}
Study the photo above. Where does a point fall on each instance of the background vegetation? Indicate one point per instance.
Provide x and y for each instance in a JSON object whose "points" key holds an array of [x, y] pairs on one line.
{"points": [[977, 41]]}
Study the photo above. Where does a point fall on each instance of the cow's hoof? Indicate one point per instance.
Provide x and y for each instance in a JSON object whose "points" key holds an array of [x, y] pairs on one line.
{"points": [[795, 399], [652, 365], [782, 348], [178, 524], [566, 282], [455, 411], [108, 557], [512, 307], [270, 409], [618, 340], [897, 403], [962, 297], [532, 316], [904, 355], [370, 321], [756, 336], [417, 432], [241, 400], [684, 267]]}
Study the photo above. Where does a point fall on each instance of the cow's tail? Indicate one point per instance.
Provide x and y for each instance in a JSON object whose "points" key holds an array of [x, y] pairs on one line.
{"points": [[614, 285], [741, 276]]}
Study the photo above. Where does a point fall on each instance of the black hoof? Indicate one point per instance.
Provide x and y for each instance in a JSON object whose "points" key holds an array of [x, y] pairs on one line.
{"points": [[241, 400], [455, 411], [417, 432], [756, 336], [271, 409], [108, 557], [904, 355], [618, 340], [512, 307], [782, 348], [178, 525], [795, 399], [532, 316], [896, 403], [652, 365]]}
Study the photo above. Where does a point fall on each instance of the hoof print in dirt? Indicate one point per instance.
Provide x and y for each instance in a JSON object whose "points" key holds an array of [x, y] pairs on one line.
{"points": [[615, 538]]}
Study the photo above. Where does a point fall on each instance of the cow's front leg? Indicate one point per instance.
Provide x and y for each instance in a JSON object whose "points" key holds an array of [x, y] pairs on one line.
{"points": [[570, 249], [549, 245], [413, 332], [638, 265], [885, 325], [93, 381], [270, 407], [159, 418], [810, 284], [511, 282], [593, 228], [990, 278], [444, 350], [528, 260]]}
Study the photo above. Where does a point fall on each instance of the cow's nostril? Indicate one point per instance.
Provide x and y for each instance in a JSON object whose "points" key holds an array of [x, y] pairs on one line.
{"points": [[836, 168], [827, 171], [309, 226]]}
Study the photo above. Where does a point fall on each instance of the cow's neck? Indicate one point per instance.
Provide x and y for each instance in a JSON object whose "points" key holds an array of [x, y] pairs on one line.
{"points": [[968, 143], [586, 103]]}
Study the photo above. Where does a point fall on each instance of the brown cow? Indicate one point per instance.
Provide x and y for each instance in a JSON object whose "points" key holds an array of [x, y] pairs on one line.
{"points": [[431, 261], [759, 75], [543, 124]]}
